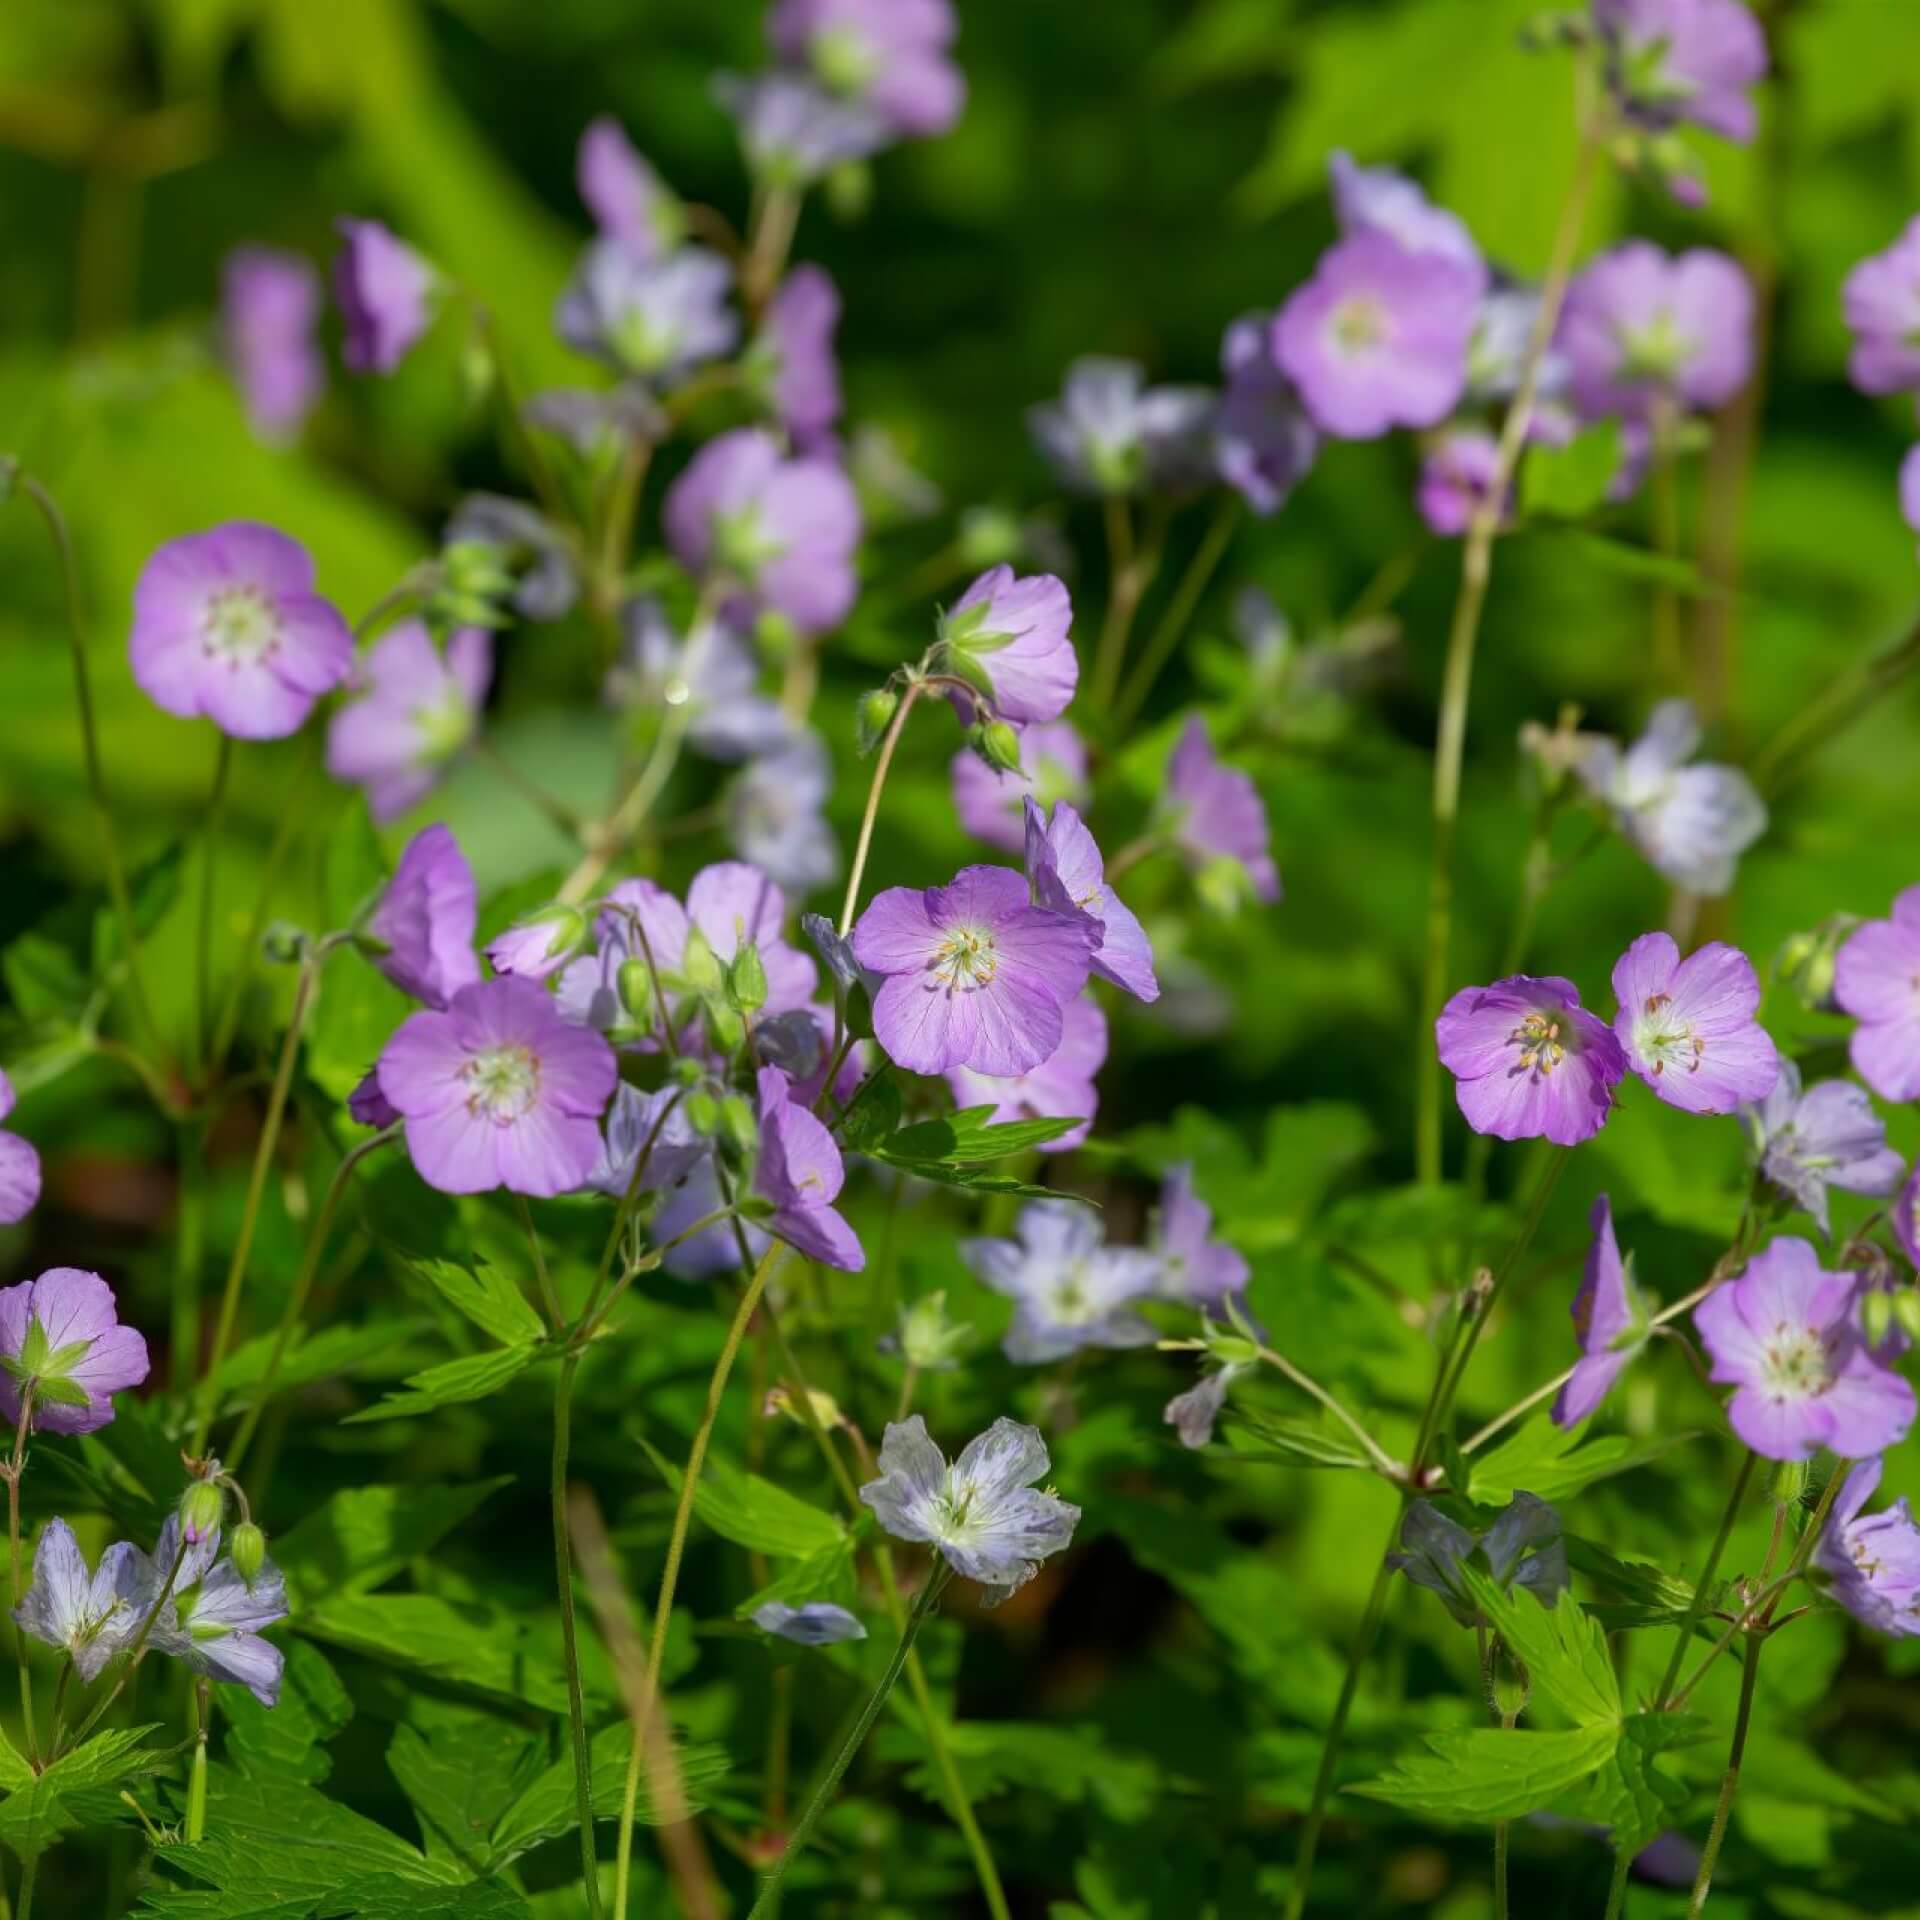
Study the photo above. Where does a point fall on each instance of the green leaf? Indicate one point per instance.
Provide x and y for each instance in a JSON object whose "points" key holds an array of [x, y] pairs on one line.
{"points": [[450, 1384], [754, 1513], [1291, 1442], [462, 1770], [39, 1812], [1072, 1766], [387, 1897], [1544, 1459], [969, 1138], [1650, 1596], [363, 1536], [1638, 563], [1571, 482], [335, 1352], [1630, 1794], [1490, 1774], [826, 1575], [487, 1297], [1564, 1649], [287, 1741]]}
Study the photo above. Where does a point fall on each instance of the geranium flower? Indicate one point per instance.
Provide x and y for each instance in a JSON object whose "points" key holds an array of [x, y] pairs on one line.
{"points": [[1828, 1136], [1529, 1061], [61, 1337], [990, 802], [269, 319], [384, 290], [1068, 875], [1876, 978], [1012, 638], [19, 1166], [1610, 1319], [1872, 1563], [1060, 1087], [88, 1616], [422, 929], [1069, 1289], [1687, 1026], [413, 712]]}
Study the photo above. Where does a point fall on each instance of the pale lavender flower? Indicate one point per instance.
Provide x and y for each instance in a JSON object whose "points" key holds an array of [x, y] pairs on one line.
{"points": [[88, 1616], [1217, 818], [542, 943], [712, 677], [1069, 1289], [384, 290], [269, 318], [597, 421], [652, 1123], [1873, 1563], [1061, 1087], [654, 319], [19, 1166], [499, 1091], [422, 930], [525, 544], [1610, 1319], [818, 1624], [1523, 1548], [629, 202], [1876, 979], [1787, 1336], [1381, 200], [1458, 472], [891, 55], [1263, 443], [1068, 875], [61, 1336], [1828, 1136], [983, 1513], [714, 1249], [1193, 1414], [776, 815], [1529, 1061], [800, 1172], [212, 1618], [791, 363], [792, 130], [1192, 1265], [1670, 61], [1012, 639], [1109, 432], [1882, 297], [412, 710], [227, 624], [1687, 1026], [991, 804]]}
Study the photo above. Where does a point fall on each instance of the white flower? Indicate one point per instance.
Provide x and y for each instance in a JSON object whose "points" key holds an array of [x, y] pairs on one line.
{"points": [[1070, 1290]]}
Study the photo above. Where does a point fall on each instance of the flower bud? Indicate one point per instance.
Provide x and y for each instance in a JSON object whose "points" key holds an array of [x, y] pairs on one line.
{"points": [[1876, 1316], [774, 636], [849, 187], [754, 1207], [875, 716], [1509, 1686], [725, 1028], [283, 944], [1788, 1485], [1906, 1309], [703, 1112], [747, 980], [202, 1508], [1807, 961], [688, 1071], [635, 982], [700, 965], [541, 943], [738, 1126], [997, 744], [248, 1546], [927, 1339]]}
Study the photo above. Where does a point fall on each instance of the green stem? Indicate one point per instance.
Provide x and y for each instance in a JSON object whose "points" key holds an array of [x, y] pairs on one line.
{"points": [[526, 443], [1669, 655], [190, 1250], [1128, 576], [1617, 1890], [563, 1573], [1698, 1605], [29, 1873], [1383, 1462], [1172, 624], [830, 1783], [197, 1778], [15, 1467], [1730, 1782], [958, 1802], [895, 728], [203, 937], [1500, 1870], [1828, 713]]}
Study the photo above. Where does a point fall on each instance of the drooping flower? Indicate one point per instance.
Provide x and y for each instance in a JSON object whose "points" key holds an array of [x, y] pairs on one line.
{"points": [[784, 528], [776, 815], [19, 1166], [1378, 337], [269, 316], [212, 1617], [499, 1090], [1217, 819], [1828, 1136], [891, 55], [1384, 201], [61, 1339], [975, 975], [1670, 61], [792, 130], [89, 1616], [1787, 1336], [800, 1172], [991, 804], [1193, 1414], [1458, 473], [1644, 328], [1876, 978], [983, 1513], [522, 544], [1068, 875], [1264, 444], [1610, 1319], [370, 1107], [1882, 297], [1529, 1061], [1192, 1265], [656, 319], [711, 678], [384, 290], [1872, 1563], [655, 1124], [1061, 1087], [792, 362], [629, 202], [1687, 1026], [1689, 823], [227, 624], [1069, 1289], [542, 943], [1011, 638], [422, 930], [1523, 1548], [818, 1624], [413, 711], [1109, 432], [599, 421]]}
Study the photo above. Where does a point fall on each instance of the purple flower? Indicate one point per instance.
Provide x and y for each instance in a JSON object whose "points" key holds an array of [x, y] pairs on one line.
{"points": [[1610, 1319], [1906, 1217], [891, 55], [785, 528], [1787, 1336], [818, 1624], [1873, 1563], [226, 623], [368, 1105], [792, 130], [629, 202], [1643, 327], [656, 319], [1060, 1087], [714, 1249], [1378, 337], [1910, 488], [1193, 1265], [1525, 1548], [991, 805], [1687, 1026], [499, 1091], [425, 920], [1882, 297], [19, 1166], [800, 1172], [1689, 823], [1876, 978], [1068, 875], [712, 678], [210, 1617], [776, 815], [792, 363], [1380, 200], [1069, 1290], [383, 288], [60, 1336], [1529, 1061], [269, 314], [1828, 1136], [1011, 638], [1670, 61], [517, 540], [415, 709], [1457, 476], [1263, 443], [542, 943], [1502, 332], [975, 975], [1109, 432], [1217, 818], [655, 1124], [89, 1616]]}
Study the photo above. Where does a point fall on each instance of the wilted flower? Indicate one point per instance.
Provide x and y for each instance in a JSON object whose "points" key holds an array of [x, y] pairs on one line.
{"points": [[1109, 432], [712, 678], [269, 316], [1193, 1414], [818, 1624], [1217, 819], [1828, 1136], [526, 546], [414, 710], [1529, 1061], [776, 815], [1068, 875], [227, 624], [1610, 1319], [1873, 1563], [1011, 639], [629, 202], [384, 289], [1264, 444], [792, 130], [19, 1166], [1193, 1265], [89, 1616], [656, 319], [1876, 978], [541, 944], [1882, 297], [791, 362], [1687, 1026], [991, 804], [1069, 1290], [655, 1124], [61, 1339], [1523, 1548], [1670, 61], [800, 1172], [983, 1513], [422, 929], [1060, 1087], [213, 1617], [891, 55], [1787, 1336]]}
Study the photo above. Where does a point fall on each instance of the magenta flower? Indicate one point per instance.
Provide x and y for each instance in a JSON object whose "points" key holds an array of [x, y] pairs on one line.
{"points": [[1529, 1061], [991, 805], [629, 202], [411, 712], [1882, 297], [1457, 476], [1263, 443], [800, 1172], [786, 529], [226, 623], [1644, 328], [384, 291], [1787, 1336], [269, 317], [1061, 1087], [1011, 638], [1687, 1026], [653, 318], [1378, 337], [499, 1091], [19, 1166], [61, 1338], [1876, 978], [1381, 200], [1610, 1319], [1067, 875], [1217, 818], [890, 55], [975, 976], [1194, 1266], [1828, 1136], [422, 930], [1670, 61], [1872, 1563], [792, 362]]}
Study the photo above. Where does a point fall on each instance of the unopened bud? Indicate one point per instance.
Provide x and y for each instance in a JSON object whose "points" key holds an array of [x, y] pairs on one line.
{"points": [[997, 744], [1788, 1485], [703, 1112], [635, 981], [248, 1546], [738, 1126], [1508, 1683], [1876, 1316], [700, 965], [826, 1409], [1906, 1310], [989, 537], [876, 715], [747, 980], [283, 944], [202, 1508], [725, 1028]]}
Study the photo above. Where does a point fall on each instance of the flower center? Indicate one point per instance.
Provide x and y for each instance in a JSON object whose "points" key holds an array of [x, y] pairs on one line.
{"points": [[1540, 1044], [239, 626], [1664, 1040], [502, 1083], [443, 728], [1358, 324], [741, 543], [968, 959], [1657, 351], [1795, 1364], [844, 59], [1070, 1303]]}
